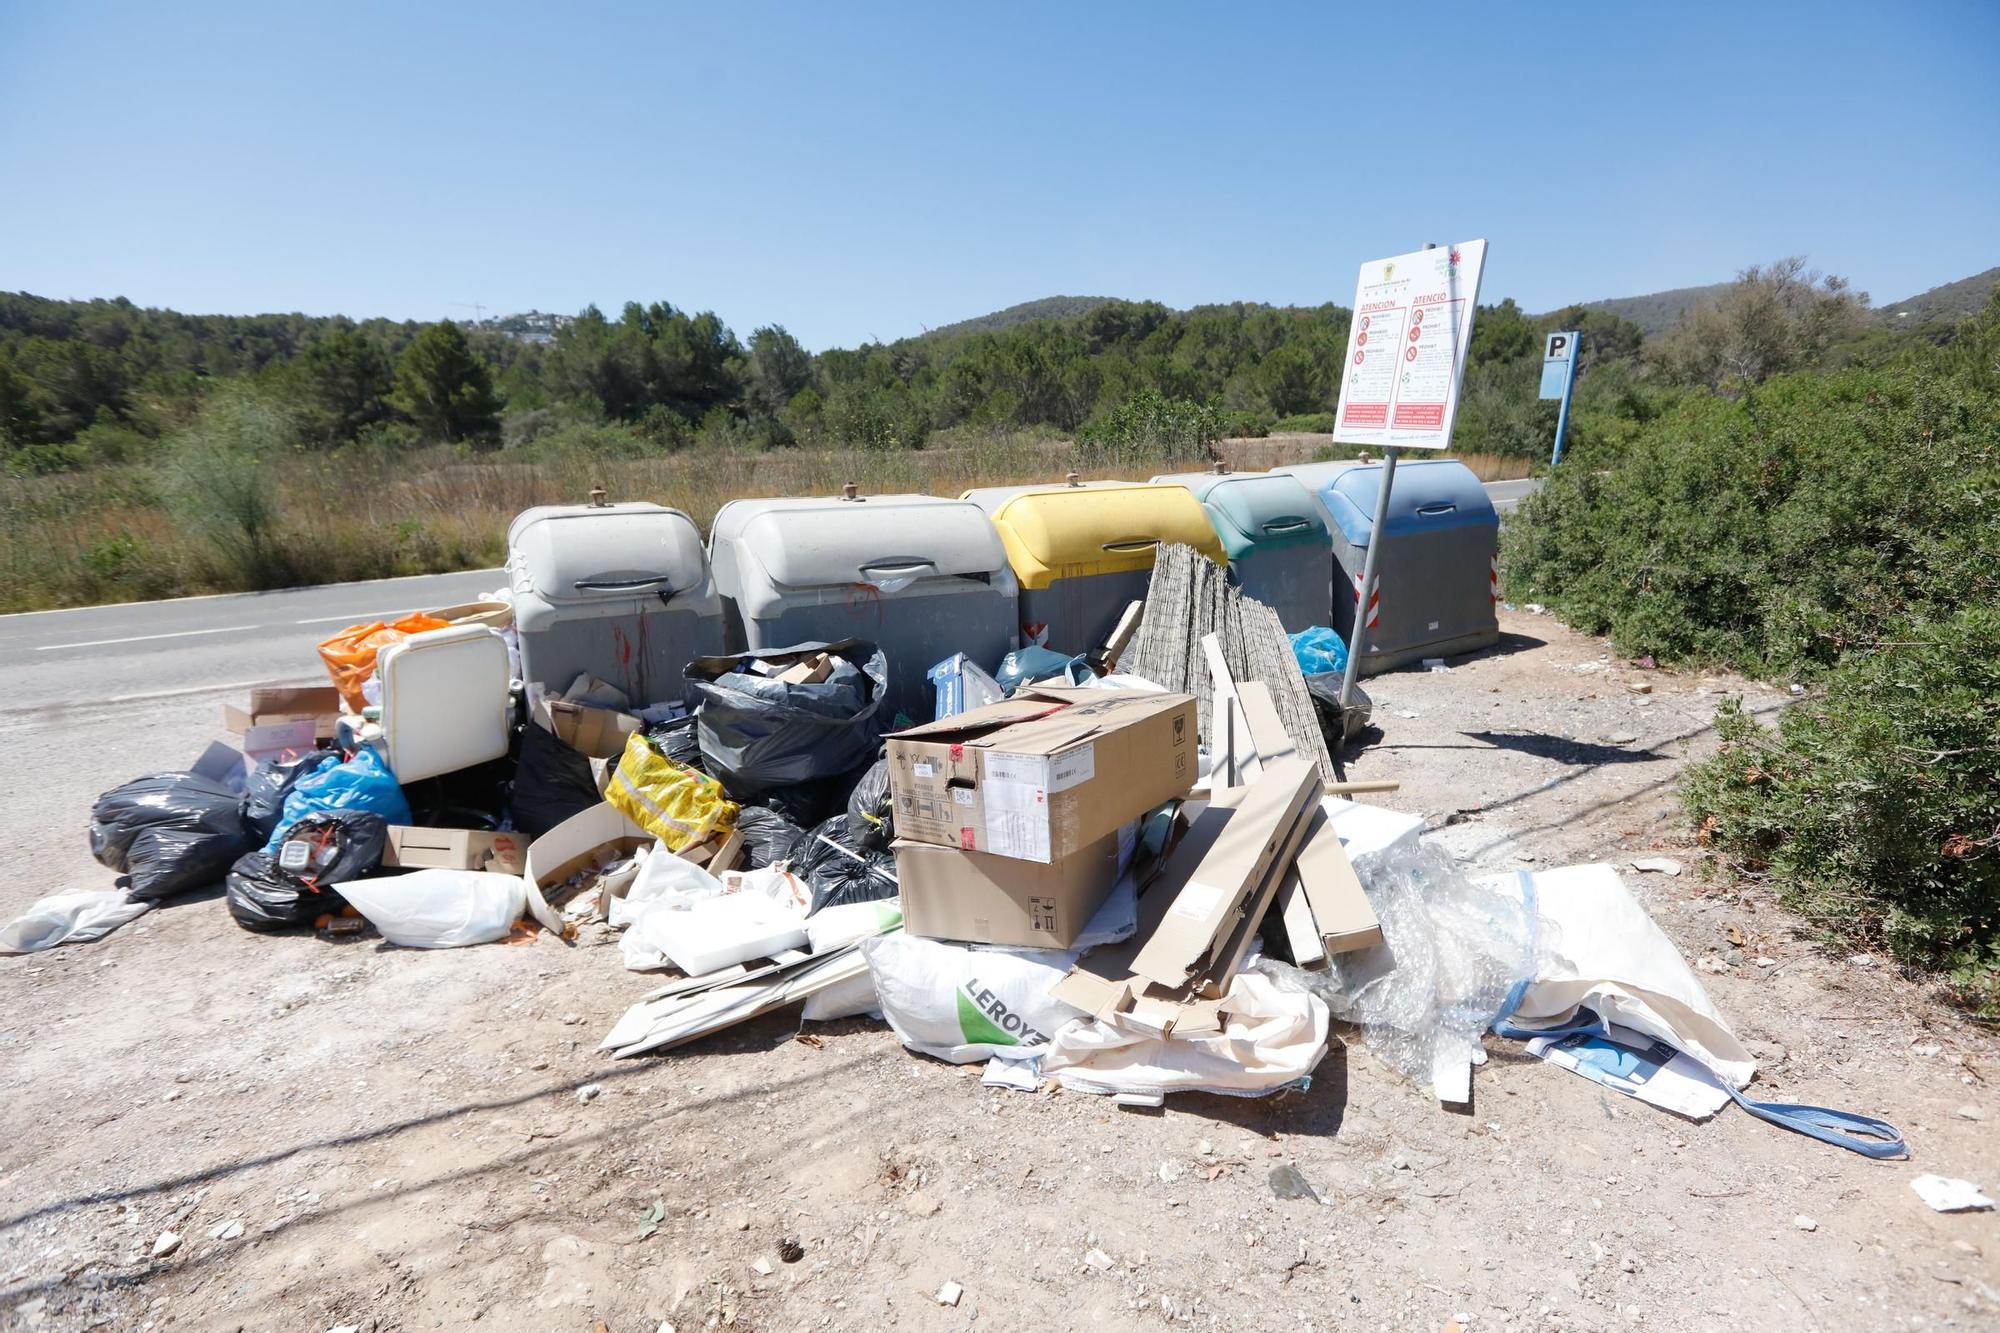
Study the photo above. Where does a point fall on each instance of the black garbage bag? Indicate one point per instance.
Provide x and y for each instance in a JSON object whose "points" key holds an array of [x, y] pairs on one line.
{"points": [[1336, 729], [768, 836], [870, 810], [758, 734], [809, 803], [551, 783], [343, 845], [264, 794], [680, 741], [837, 860], [168, 833]]}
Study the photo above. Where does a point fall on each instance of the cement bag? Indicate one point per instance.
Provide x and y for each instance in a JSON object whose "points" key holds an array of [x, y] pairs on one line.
{"points": [[70, 918], [963, 1004], [758, 733], [1270, 1040], [440, 909], [835, 928], [677, 805], [1602, 952]]}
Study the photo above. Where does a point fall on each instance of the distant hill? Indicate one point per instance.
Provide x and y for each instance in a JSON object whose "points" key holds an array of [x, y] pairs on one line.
{"points": [[1049, 307], [1954, 301], [1655, 312]]}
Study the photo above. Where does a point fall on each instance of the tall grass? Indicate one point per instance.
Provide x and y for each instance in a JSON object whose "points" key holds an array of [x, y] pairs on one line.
{"points": [[215, 519]]}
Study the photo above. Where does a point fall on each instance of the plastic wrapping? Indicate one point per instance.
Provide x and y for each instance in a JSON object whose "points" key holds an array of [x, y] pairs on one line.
{"points": [[677, 805], [759, 733], [70, 918], [679, 740], [167, 833], [361, 783], [870, 808], [1026, 665], [843, 866], [1319, 650], [551, 783], [350, 654], [264, 794], [768, 837], [1453, 958], [440, 909]]}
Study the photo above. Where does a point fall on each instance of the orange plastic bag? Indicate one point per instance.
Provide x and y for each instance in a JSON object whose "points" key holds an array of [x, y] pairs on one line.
{"points": [[350, 654]]}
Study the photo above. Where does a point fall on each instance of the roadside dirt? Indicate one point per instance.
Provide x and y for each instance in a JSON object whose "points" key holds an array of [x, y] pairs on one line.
{"points": [[399, 1134]]}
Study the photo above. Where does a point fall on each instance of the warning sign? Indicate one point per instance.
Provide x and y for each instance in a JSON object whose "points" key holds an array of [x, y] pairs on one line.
{"points": [[1406, 348]]}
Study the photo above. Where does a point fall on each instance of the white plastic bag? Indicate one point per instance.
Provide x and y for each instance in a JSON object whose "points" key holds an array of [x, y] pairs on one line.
{"points": [[1601, 951], [70, 918], [1270, 1040], [963, 1004], [440, 909], [664, 879]]}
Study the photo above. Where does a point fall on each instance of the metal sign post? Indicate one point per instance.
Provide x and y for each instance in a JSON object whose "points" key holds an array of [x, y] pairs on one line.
{"points": [[1368, 567], [1559, 381]]}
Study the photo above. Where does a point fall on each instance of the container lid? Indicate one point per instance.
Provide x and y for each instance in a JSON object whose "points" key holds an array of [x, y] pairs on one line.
{"points": [[1316, 477], [1071, 531], [579, 553], [1252, 511], [817, 544], [1435, 495]]}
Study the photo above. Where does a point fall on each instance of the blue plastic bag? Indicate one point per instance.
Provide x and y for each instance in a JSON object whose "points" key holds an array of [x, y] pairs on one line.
{"points": [[1319, 651], [362, 783], [1037, 663]]}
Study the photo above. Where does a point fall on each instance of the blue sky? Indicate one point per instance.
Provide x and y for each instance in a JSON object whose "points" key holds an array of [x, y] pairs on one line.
{"points": [[869, 170]]}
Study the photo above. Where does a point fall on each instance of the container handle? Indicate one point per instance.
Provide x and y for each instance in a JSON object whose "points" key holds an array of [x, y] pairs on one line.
{"points": [[622, 585], [1288, 524], [893, 565], [1432, 510], [1132, 544]]}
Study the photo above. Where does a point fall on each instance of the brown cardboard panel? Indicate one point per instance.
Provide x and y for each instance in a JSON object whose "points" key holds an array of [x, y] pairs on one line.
{"points": [[598, 732], [1340, 909], [1267, 730], [411, 846], [1043, 775], [1227, 959], [810, 671], [317, 704], [1242, 860], [984, 899]]}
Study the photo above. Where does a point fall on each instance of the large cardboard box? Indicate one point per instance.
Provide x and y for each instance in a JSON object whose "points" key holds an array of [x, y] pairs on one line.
{"points": [[271, 705], [1043, 775], [600, 733], [979, 898], [589, 837], [412, 846]]}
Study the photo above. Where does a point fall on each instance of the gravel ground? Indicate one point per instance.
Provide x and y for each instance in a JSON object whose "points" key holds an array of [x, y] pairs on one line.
{"points": [[350, 1135]]}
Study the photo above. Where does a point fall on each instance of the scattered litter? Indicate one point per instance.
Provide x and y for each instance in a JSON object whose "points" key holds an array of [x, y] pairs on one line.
{"points": [[1762, 961], [1804, 1223], [949, 1293], [649, 1221], [1405, 714], [1639, 686], [1947, 1194], [790, 1251], [1796, 690], [1097, 1261], [762, 1266], [1665, 865], [1969, 1112], [588, 1093], [1287, 1183], [229, 1230], [168, 1242]]}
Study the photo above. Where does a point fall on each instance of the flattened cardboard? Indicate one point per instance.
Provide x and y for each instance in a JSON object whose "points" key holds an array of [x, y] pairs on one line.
{"points": [[1042, 775], [1340, 909], [411, 846], [1241, 863], [600, 733], [810, 671], [269, 704], [569, 847], [979, 898]]}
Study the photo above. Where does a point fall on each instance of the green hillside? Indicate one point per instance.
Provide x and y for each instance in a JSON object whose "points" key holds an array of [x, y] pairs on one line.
{"points": [[1953, 301], [1048, 307]]}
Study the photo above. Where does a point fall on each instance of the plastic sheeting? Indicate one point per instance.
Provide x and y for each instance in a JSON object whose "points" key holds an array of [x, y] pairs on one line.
{"points": [[759, 733], [167, 833], [70, 918], [361, 783]]}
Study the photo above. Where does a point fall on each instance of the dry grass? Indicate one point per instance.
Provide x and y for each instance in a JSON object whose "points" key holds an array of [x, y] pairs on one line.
{"points": [[109, 535]]}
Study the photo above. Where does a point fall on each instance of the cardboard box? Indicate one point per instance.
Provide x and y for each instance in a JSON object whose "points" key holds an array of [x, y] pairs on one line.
{"points": [[318, 706], [810, 671], [979, 898], [1043, 775], [412, 847], [600, 733], [589, 837]]}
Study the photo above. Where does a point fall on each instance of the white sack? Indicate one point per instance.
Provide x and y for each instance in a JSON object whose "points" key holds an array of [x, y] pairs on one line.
{"points": [[963, 1004], [70, 918], [1605, 954], [852, 998], [831, 927], [1271, 1039], [665, 879], [440, 909]]}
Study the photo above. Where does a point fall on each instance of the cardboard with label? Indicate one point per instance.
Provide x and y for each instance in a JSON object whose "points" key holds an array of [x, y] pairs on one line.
{"points": [[412, 847], [1043, 775], [980, 898], [278, 719], [600, 733]]}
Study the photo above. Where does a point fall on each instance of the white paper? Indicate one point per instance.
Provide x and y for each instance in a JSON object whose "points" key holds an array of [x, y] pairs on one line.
{"points": [[1947, 1195], [1638, 1066], [1077, 766], [1017, 820], [1197, 901], [1030, 770]]}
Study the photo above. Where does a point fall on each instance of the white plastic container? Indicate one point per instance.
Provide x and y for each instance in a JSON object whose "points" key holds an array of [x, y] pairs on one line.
{"points": [[444, 701]]}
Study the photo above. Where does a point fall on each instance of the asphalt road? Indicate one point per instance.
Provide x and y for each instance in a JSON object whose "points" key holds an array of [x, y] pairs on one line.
{"points": [[127, 652]]}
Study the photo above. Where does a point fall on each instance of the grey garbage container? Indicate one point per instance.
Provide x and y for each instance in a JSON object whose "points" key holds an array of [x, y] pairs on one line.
{"points": [[922, 576], [1276, 538], [1437, 569], [621, 591]]}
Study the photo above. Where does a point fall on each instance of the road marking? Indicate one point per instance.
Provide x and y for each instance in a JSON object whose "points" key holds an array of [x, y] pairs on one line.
{"points": [[267, 592], [145, 638], [361, 619]]}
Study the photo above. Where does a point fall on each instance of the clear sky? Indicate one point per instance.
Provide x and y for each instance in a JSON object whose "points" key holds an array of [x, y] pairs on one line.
{"points": [[861, 170]]}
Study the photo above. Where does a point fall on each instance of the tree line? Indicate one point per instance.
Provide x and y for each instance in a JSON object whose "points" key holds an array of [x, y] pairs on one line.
{"points": [[106, 381]]}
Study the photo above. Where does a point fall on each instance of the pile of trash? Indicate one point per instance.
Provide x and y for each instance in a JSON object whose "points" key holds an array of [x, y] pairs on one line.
{"points": [[1064, 873]]}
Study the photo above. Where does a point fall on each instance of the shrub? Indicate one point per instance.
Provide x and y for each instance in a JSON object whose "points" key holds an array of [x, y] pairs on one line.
{"points": [[219, 485], [1875, 806], [1149, 428], [1309, 423], [1238, 424]]}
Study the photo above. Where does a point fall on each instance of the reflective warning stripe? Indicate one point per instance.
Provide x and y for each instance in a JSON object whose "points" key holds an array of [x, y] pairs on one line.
{"points": [[1374, 603], [1493, 582]]}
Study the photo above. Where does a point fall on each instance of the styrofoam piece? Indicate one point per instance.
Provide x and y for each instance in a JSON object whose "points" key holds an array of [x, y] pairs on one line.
{"points": [[444, 701]]}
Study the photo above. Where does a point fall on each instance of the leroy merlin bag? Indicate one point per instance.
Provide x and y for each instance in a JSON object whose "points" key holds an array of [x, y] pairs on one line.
{"points": [[963, 1004], [675, 804]]}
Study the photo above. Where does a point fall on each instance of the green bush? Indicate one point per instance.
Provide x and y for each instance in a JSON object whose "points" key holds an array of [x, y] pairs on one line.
{"points": [[1309, 423], [1149, 428], [1239, 424], [1874, 807]]}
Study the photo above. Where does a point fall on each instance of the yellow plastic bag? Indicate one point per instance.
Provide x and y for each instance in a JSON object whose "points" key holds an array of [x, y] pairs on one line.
{"points": [[350, 654], [675, 804]]}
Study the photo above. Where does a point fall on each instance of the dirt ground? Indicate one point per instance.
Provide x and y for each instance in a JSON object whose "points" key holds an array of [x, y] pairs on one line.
{"points": [[355, 1136]]}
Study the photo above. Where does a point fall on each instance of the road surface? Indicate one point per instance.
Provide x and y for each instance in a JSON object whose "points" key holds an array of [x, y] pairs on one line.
{"points": [[127, 651]]}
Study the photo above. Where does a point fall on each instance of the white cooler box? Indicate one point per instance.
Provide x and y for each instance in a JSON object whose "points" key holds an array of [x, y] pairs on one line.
{"points": [[621, 591], [920, 576]]}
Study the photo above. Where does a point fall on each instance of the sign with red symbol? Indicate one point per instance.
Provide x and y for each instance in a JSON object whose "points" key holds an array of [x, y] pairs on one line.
{"points": [[1423, 302]]}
